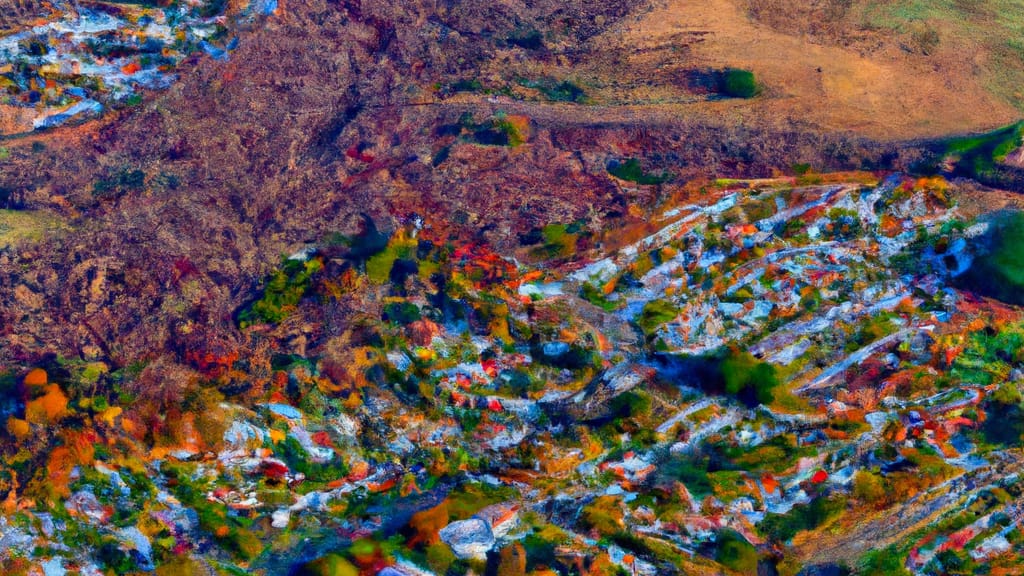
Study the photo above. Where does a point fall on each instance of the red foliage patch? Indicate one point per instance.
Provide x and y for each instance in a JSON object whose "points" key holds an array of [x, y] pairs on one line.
{"points": [[356, 154], [273, 469], [210, 364], [322, 439]]}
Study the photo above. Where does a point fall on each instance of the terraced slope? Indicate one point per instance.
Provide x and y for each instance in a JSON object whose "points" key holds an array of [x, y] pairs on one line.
{"points": [[753, 376]]}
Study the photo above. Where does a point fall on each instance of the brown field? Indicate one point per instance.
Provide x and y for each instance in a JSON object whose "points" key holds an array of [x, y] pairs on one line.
{"points": [[871, 86]]}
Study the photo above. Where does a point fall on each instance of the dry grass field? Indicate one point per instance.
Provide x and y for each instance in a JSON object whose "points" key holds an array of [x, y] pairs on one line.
{"points": [[893, 71]]}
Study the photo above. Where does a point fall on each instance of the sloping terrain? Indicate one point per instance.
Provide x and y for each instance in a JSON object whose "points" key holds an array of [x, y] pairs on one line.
{"points": [[964, 39], [391, 286], [285, 142], [749, 378], [884, 93]]}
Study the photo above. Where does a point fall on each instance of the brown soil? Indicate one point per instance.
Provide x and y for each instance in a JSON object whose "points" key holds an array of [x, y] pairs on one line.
{"points": [[888, 94]]}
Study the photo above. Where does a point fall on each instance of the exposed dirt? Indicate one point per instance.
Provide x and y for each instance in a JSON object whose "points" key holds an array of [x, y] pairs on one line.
{"points": [[887, 94]]}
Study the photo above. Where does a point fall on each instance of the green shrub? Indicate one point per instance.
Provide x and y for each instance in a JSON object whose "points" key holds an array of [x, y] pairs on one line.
{"points": [[739, 83], [559, 241], [565, 91], [512, 134], [977, 156], [402, 313], [1000, 273], [466, 85], [298, 460], [782, 527], [283, 291], [733, 551], [885, 561], [329, 565], [604, 514], [869, 488], [379, 267], [596, 296], [692, 472], [540, 551], [497, 131], [631, 404], [749, 379], [119, 184], [1004, 423], [632, 171], [656, 313], [528, 38]]}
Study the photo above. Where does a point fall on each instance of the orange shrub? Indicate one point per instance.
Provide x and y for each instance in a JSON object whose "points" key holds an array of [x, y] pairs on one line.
{"points": [[58, 470], [48, 408], [18, 428], [36, 377], [426, 525]]}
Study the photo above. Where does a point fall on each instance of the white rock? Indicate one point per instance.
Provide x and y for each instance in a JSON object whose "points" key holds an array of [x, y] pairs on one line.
{"points": [[243, 436], [281, 518], [135, 539], [54, 567], [468, 538]]}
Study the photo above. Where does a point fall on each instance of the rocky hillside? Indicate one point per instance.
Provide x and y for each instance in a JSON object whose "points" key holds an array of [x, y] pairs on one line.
{"points": [[290, 138], [336, 287]]}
